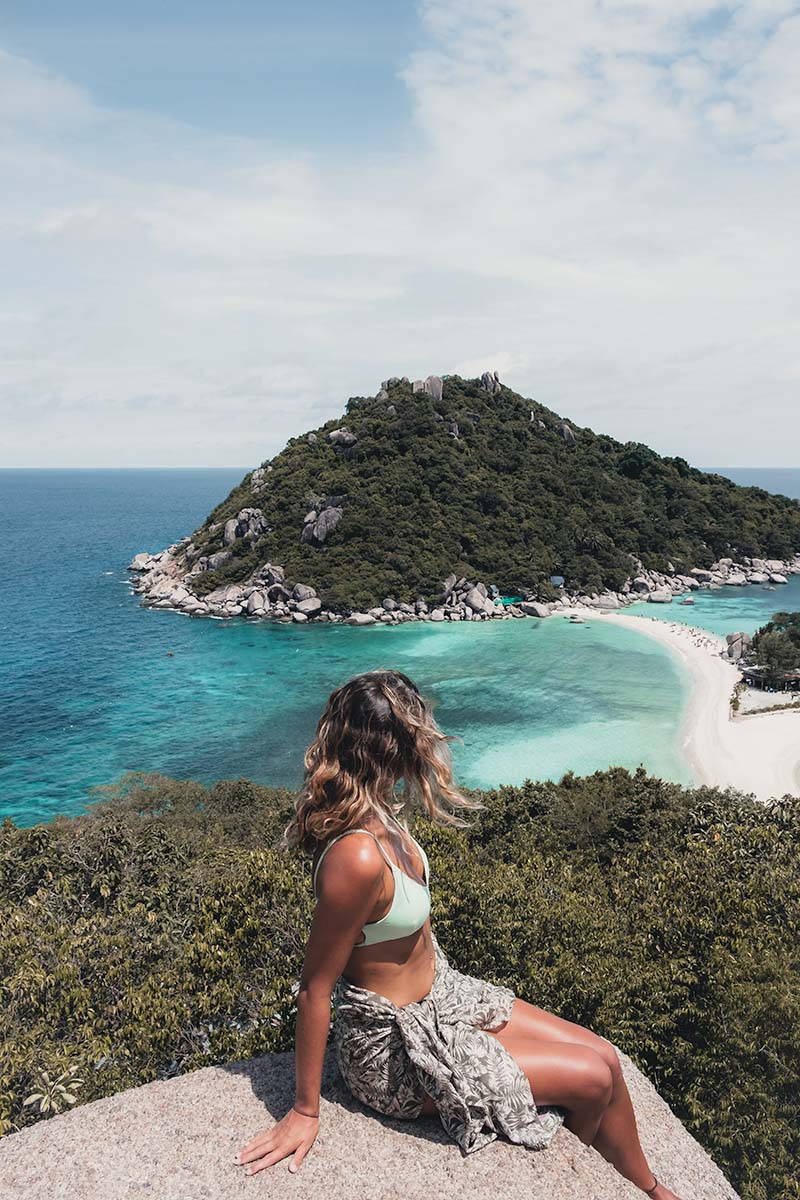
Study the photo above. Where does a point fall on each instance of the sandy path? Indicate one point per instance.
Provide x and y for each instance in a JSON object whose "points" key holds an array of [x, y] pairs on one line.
{"points": [[757, 754]]}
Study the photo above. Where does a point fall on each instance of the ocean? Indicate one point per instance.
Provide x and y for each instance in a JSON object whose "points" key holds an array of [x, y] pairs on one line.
{"points": [[92, 685]]}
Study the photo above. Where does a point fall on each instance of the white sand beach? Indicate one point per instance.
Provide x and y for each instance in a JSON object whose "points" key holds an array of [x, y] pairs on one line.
{"points": [[759, 754]]}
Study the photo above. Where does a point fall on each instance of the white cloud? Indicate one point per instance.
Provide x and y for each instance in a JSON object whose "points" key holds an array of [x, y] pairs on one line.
{"points": [[31, 95], [600, 204]]}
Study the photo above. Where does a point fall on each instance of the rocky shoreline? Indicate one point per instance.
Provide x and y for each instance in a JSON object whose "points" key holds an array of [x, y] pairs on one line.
{"points": [[164, 581]]}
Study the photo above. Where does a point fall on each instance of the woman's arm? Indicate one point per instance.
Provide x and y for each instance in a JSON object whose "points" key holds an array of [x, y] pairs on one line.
{"points": [[347, 890], [349, 883]]}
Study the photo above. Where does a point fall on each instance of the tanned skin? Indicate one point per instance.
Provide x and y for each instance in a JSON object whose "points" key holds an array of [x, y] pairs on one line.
{"points": [[565, 1064]]}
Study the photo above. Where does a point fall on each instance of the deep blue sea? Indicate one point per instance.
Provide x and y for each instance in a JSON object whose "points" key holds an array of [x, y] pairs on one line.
{"points": [[92, 685]]}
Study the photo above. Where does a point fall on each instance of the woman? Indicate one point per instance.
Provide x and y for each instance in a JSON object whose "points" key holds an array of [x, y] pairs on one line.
{"points": [[413, 1036]]}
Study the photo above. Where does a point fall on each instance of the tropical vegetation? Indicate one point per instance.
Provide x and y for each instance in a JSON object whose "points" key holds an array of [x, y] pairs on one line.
{"points": [[776, 648], [488, 485], [164, 930]]}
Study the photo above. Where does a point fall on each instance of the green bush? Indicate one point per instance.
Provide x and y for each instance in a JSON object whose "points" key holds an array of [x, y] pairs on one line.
{"points": [[776, 647], [163, 931]]}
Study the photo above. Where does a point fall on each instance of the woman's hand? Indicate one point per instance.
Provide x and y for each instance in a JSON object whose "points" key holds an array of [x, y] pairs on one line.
{"points": [[294, 1134]]}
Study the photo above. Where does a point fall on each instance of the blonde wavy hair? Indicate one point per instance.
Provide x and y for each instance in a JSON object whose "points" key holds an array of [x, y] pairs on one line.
{"points": [[376, 731]]}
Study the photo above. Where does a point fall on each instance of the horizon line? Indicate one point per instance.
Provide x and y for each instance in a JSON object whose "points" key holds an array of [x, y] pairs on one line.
{"points": [[238, 466]]}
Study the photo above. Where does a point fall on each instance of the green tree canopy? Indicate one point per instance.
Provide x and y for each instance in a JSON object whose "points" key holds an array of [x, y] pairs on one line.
{"points": [[776, 647]]}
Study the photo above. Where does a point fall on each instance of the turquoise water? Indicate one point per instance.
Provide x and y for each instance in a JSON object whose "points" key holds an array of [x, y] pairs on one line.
{"points": [[727, 610], [92, 685]]}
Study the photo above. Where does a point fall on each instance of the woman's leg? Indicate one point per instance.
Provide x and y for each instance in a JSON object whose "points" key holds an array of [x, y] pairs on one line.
{"points": [[571, 1076], [617, 1137]]}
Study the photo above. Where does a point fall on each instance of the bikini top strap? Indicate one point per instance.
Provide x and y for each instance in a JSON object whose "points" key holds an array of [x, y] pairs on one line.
{"points": [[336, 839]]}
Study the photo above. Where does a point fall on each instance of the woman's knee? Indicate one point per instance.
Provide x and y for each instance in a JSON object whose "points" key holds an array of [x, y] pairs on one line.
{"points": [[578, 1078], [595, 1079], [609, 1055]]}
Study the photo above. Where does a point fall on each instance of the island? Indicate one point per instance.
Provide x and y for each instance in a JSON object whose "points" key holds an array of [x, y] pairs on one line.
{"points": [[448, 499]]}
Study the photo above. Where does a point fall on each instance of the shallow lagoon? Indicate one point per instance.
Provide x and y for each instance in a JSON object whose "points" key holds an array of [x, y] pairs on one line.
{"points": [[92, 685], [210, 700]]}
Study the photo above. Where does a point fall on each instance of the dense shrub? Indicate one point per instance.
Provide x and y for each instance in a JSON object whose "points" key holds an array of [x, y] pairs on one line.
{"points": [[776, 647], [164, 929]]}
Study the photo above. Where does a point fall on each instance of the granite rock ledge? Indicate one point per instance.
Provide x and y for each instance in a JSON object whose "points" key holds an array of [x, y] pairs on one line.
{"points": [[176, 1140]]}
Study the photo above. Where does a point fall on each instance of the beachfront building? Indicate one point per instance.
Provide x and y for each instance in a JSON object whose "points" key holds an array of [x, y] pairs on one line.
{"points": [[755, 676]]}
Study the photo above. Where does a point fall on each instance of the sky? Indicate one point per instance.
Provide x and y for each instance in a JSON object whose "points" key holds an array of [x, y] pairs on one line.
{"points": [[218, 222]]}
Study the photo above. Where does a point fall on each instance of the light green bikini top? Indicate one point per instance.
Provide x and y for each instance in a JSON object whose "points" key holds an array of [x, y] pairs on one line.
{"points": [[411, 903]]}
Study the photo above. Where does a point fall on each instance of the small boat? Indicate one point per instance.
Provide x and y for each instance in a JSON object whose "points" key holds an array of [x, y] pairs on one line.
{"points": [[769, 587], [576, 620], [687, 601]]}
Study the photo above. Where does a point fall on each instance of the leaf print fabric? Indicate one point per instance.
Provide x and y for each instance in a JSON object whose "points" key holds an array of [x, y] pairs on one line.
{"points": [[390, 1057]]}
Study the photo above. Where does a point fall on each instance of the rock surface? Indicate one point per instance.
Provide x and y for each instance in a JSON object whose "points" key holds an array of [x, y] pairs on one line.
{"points": [[342, 438], [531, 608], [737, 645], [176, 1140]]}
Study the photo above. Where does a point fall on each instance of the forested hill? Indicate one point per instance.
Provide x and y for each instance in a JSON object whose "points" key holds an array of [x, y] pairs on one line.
{"points": [[468, 477]]}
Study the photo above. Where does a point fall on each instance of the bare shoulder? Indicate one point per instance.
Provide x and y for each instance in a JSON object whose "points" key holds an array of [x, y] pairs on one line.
{"points": [[352, 863]]}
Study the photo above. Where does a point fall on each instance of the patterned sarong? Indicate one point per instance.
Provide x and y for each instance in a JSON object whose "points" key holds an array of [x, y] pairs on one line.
{"points": [[390, 1057]]}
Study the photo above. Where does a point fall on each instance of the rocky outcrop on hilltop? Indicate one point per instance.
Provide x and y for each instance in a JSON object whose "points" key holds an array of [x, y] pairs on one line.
{"points": [[177, 1140]]}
